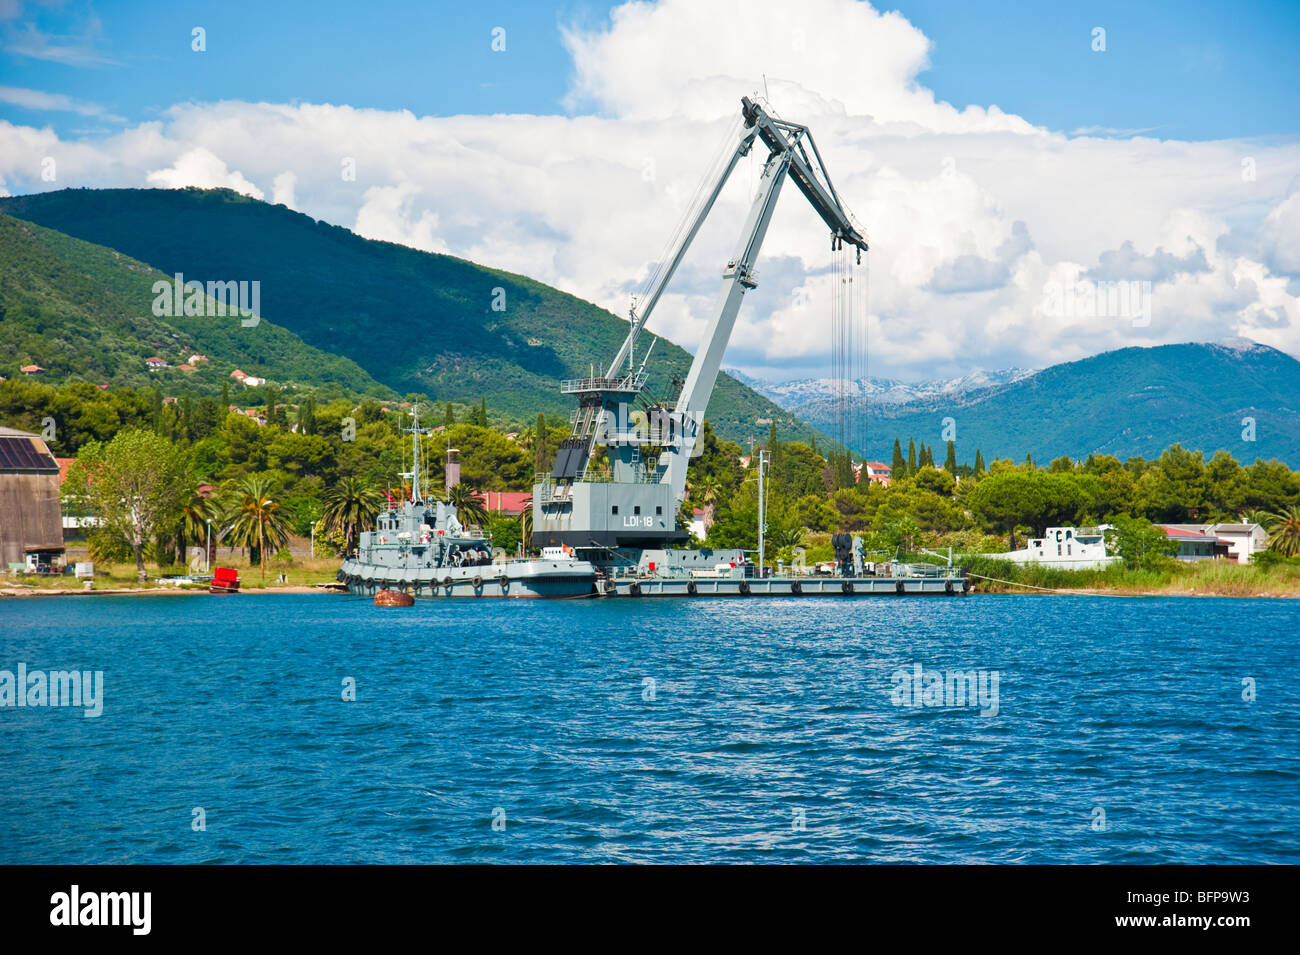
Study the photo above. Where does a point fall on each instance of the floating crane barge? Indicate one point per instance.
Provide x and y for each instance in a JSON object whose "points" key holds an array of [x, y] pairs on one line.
{"points": [[623, 520]]}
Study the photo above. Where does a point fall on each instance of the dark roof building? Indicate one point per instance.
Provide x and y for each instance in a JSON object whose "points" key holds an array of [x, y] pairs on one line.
{"points": [[31, 519]]}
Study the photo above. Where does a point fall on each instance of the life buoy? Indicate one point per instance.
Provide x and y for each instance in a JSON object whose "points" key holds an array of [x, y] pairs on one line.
{"points": [[744, 586], [900, 589], [796, 588], [691, 588], [846, 587]]}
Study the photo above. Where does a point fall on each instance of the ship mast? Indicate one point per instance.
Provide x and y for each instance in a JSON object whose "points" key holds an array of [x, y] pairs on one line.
{"points": [[415, 454]]}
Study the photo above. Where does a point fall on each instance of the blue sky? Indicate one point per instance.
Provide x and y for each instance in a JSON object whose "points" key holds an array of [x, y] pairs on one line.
{"points": [[1172, 158], [1181, 70]]}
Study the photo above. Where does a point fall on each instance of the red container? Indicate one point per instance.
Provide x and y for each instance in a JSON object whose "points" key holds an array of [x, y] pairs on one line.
{"points": [[225, 580]]}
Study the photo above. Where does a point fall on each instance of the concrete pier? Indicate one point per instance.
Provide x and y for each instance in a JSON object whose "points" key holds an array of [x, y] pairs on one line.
{"points": [[783, 586]]}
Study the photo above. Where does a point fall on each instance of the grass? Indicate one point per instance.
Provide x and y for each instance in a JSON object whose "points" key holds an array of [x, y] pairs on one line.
{"points": [[302, 572], [1202, 578]]}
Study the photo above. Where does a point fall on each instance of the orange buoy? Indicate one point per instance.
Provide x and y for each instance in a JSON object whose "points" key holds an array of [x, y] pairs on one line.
{"points": [[393, 598]]}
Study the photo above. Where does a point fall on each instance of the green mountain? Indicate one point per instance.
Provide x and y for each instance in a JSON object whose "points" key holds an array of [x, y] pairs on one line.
{"points": [[1133, 401], [84, 312], [414, 321]]}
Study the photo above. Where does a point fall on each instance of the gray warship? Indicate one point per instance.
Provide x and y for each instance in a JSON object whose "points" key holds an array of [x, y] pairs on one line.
{"points": [[422, 548]]}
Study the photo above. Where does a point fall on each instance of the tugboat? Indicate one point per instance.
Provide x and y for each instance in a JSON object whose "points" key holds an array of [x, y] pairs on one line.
{"points": [[423, 549]]}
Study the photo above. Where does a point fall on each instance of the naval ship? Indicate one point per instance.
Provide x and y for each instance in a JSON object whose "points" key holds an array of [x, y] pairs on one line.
{"points": [[421, 548]]}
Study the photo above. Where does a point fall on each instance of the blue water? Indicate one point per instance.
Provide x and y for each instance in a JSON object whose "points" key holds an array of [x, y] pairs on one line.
{"points": [[772, 734]]}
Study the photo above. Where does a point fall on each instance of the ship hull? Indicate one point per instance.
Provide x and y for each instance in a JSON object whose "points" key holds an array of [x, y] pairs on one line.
{"points": [[529, 579]]}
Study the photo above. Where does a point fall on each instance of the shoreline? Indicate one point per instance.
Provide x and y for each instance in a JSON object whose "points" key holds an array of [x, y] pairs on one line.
{"points": [[1022, 589]]}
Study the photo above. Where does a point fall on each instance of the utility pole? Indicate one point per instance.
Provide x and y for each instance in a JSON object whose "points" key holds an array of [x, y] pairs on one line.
{"points": [[764, 459]]}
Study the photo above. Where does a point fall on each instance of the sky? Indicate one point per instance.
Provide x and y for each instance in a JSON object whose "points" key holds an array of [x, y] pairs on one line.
{"points": [[1001, 156]]}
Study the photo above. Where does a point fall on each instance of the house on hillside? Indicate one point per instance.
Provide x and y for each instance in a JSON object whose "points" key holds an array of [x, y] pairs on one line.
{"points": [[878, 473], [31, 520], [155, 363], [699, 530], [32, 370]]}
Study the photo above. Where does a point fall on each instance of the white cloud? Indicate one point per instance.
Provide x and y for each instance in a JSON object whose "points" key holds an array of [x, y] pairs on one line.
{"points": [[204, 169], [282, 188], [970, 212], [41, 100]]}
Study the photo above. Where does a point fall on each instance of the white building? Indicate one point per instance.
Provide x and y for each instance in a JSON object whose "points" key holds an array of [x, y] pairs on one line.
{"points": [[1242, 540], [1066, 548]]}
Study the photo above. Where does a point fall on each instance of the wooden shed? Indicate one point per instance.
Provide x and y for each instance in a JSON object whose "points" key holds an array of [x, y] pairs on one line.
{"points": [[31, 518]]}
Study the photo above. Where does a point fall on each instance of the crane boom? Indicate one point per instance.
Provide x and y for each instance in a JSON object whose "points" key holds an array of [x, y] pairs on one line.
{"points": [[635, 503], [788, 156]]}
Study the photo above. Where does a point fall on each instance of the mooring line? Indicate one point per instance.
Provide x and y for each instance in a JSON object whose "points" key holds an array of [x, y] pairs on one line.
{"points": [[1051, 590]]}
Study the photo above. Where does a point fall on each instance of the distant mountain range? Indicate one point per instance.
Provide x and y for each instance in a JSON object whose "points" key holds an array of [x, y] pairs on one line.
{"points": [[373, 317], [810, 393], [77, 268], [1132, 401]]}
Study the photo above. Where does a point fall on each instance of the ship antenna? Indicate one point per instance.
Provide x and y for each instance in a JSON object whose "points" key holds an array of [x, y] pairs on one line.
{"points": [[415, 453]]}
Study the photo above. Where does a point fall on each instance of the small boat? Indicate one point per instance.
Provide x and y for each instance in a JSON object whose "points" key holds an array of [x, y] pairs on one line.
{"points": [[225, 580]]}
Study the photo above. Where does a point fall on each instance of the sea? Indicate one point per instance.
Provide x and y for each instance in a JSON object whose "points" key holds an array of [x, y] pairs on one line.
{"points": [[318, 728]]}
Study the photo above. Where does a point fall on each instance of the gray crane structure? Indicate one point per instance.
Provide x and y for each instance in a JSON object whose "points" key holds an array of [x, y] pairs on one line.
{"points": [[633, 504]]}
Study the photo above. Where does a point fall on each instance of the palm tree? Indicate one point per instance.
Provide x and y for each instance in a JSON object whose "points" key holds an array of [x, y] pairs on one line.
{"points": [[1284, 531], [196, 515], [526, 523], [470, 508], [256, 519], [705, 493], [350, 508]]}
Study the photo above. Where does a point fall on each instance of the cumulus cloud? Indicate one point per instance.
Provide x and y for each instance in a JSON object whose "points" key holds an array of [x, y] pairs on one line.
{"points": [[282, 188], [972, 213], [1279, 237], [203, 168]]}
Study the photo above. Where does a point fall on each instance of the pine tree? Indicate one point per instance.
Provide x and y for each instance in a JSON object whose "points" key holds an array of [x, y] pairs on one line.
{"points": [[979, 462], [911, 457], [897, 466], [950, 462]]}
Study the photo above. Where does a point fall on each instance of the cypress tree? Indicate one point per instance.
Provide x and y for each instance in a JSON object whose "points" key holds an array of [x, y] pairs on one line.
{"points": [[897, 466], [979, 462], [1029, 463], [482, 412], [448, 416], [911, 457], [539, 443], [225, 398], [950, 462]]}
